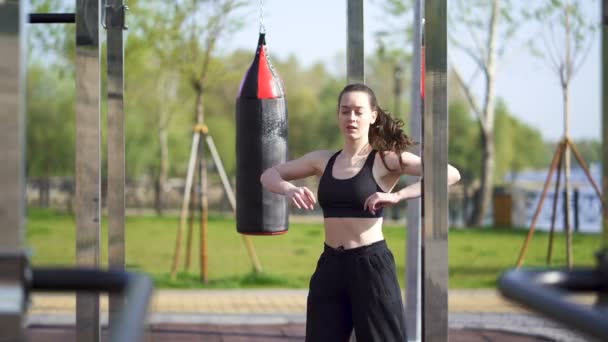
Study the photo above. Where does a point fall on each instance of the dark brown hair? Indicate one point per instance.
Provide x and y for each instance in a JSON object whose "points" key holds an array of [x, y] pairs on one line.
{"points": [[386, 133]]}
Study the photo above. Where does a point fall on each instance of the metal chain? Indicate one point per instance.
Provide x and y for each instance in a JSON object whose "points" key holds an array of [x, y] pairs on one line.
{"points": [[262, 27]]}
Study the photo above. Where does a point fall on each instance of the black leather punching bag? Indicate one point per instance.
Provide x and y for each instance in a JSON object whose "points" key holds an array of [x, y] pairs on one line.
{"points": [[261, 142]]}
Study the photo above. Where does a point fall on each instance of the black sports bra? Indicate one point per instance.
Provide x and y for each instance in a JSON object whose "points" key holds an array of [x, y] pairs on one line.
{"points": [[345, 197]]}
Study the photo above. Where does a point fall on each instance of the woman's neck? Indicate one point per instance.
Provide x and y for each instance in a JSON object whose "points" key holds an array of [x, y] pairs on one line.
{"points": [[356, 148]]}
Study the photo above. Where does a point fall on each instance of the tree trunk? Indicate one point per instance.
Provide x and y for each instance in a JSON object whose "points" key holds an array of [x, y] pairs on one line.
{"points": [[44, 192], [164, 170], [567, 74], [203, 191], [484, 198], [466, 186], [44, 188], [157, 196], [487, 124]]}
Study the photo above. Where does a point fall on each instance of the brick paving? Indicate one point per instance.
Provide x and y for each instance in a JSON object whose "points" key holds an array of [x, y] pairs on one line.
{"points": [[278, 315], [253, 333]]}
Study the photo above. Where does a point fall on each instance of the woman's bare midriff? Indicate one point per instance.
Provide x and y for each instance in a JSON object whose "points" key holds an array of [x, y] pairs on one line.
{"points": [[350, 232]]}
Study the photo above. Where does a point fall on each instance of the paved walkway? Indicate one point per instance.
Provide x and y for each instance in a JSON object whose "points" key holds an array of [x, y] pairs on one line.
{"points": [[258, 301], [469, 310]]}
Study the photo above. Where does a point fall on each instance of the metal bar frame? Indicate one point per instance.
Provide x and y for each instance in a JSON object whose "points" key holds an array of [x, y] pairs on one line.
{"points": [[413, 244], [355, 47], [435, 267], [545, 291], [134, 289], [88, 161], [52, 18], [13, 263], [603, 298], [604, 90], [114, 23], [355, 52]]}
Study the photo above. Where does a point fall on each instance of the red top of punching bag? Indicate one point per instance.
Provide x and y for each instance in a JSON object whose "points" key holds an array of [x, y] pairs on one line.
{"points": [[261, 80]]}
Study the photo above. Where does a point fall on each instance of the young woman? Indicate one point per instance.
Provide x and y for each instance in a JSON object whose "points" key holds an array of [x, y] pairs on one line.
{"points": [[355, 282]]}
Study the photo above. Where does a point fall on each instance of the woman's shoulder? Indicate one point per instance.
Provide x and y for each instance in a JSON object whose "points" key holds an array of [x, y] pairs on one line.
{"points": [[394, 161], [320, 158]]}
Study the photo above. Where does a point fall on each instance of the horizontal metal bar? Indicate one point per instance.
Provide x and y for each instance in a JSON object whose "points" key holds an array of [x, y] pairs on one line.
{"points": [[544, 291], [52, 18], [135, 288]]}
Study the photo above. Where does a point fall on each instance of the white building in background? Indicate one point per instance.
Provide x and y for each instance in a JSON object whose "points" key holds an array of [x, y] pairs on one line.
{"points": [[526, 189]]}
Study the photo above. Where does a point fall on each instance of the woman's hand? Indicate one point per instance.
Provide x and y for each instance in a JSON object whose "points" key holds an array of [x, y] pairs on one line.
{"points": [[379, 200], [301, 197]]}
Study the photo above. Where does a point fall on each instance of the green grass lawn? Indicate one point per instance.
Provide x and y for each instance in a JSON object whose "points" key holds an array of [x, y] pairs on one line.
{"points": [[477, 256]]}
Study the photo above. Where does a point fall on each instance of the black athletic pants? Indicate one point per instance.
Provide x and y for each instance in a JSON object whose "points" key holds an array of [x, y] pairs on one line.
{"points": [[355, 288]]}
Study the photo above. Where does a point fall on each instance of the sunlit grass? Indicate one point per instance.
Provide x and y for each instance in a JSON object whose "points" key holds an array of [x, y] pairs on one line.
{"points": [[477, 256]]}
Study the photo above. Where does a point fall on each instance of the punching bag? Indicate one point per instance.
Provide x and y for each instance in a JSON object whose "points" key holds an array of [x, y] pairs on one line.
{"points": [[261, 142]]}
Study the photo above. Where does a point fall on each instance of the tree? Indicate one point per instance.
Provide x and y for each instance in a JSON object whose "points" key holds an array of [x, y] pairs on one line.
{"points": [[390, 66], [488, 26], [50, 110], [518, 146], [183, 37], [463, 146], [476, 27], [50, 127], [565, 55]]}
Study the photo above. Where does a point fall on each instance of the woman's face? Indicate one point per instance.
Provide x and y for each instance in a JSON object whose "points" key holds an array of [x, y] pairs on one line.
{"points": [[355, 115]]}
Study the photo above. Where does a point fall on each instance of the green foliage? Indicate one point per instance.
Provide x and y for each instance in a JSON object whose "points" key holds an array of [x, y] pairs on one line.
{"points": [[590, 150], [382, 76], [395, 37], [50, 95], [155, 98], [50, 123], [52, 44], [463, 146], [468, 26], [518, 146]]}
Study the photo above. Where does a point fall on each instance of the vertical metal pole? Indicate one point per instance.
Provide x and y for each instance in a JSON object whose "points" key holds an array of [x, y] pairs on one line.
{"points": [[12, 168], [602, 298], [88, 156], [355, 47], [604, 90], [435, 193], [114, 23], [355, 51], [413, 245]]}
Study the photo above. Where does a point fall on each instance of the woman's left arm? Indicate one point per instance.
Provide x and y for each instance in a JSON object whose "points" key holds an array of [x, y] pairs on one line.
{"points": [[411, 165]]}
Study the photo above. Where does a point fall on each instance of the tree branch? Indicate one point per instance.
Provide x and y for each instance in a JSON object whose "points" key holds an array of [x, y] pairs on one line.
{"points": [[472, 34], [551, 59], [470, 97], [467, 50], [585, 54]]}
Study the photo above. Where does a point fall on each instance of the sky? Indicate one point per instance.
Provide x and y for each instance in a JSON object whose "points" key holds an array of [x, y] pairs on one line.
{"points": [[315, 31]]}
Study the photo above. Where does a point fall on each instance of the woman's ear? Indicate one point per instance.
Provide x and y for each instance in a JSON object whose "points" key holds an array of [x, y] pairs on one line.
{"points": [[374, 116]]}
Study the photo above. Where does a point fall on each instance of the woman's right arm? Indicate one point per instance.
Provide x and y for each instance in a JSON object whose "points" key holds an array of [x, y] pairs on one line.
{"points": [[276, 179]]}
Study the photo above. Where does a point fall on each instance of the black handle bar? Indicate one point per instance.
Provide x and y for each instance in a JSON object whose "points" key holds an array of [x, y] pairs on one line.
{"points": [[136, 289], [544, 291]]}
